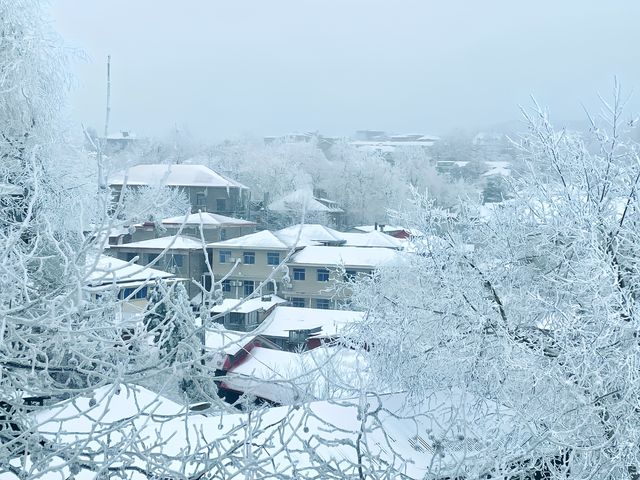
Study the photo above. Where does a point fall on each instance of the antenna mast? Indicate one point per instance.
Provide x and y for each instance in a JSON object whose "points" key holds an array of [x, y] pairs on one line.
{"points": [[106, 120]]}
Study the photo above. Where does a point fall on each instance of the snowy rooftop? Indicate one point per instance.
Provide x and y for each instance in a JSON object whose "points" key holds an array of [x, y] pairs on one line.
{"points": [[173, 175], [174, 242], [400, 441], [206, 219], [348, 256], [303, 235], [112, 270], [371, 239], [308, 234], [251, 305], [283, 319], [262, 240], [218, 338]]}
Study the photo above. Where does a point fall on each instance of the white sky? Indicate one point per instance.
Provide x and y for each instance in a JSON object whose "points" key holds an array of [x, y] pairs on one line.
{"points": [[226, 68]]}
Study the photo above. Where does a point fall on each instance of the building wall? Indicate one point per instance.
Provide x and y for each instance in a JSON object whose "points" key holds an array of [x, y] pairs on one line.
{"points": [[311, 288], [257, 272], [236, 200], [193, 263], [214, 234]]}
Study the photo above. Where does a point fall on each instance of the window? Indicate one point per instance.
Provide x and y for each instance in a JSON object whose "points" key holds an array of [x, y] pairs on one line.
{"points": [[226, 286], [221, 204], [236, 318], [223, 234], [323, 275], [151, 257], [350, 275], [249, 258], [298, 273], [178, 260], [129, 256], [201, 199], [224, 256], [297, 302], [247, 286], [322, 303], [273, 258], [128, 292]]}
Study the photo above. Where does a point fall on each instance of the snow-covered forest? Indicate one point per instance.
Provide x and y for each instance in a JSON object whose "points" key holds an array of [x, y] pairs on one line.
{"points": [[312, 307]]}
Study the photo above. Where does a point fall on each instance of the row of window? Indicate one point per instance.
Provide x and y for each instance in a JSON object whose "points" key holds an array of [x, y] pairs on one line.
{"points": [[201, 201], [171, 260], [248, 258], [126, 292], [322, 303]]}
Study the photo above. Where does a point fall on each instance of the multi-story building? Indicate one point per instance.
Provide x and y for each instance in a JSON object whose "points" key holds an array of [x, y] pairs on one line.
{"points": [[206, 190], [301, 263], [181, 255], [212, 226]]}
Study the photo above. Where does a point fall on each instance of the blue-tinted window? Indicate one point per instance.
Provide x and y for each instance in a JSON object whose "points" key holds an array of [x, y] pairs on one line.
{"points": [[350, 275], [323, 275], [221, 205], [297, 302], [322, 303], [226, 286], [178, 260], [248, 287], [249, 258], [224, 256], [273, 258], [151, 257], [298, 274]]}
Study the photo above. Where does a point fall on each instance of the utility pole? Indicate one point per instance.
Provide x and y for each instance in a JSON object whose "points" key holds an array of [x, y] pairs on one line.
{"points": [[106, 120]]}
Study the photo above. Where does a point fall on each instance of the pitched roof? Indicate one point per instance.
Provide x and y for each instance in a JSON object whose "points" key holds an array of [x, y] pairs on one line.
{"points": [[261, 240], [173, 242], [371, 239], [284, 319], [111, 270], [441, 435], [348, 256], [182, 175], [246, 306], [308, 234], [206, 219]]}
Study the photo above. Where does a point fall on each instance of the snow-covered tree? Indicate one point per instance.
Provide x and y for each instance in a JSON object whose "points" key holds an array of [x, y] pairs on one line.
{"points": [[531, 303]]}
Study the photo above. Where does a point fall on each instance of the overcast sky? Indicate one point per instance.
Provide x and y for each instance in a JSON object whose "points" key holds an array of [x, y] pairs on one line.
{"points": [[268, 67]]}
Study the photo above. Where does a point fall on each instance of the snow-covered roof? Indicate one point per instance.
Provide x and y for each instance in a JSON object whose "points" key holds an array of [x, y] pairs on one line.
{"points": [[371, 239], [206, 219], [218, 338], [112, 404], [349, 256], [288, 377], [308, 234], [260, 240], [302, 199], [284, 319], [111, 270], [182, 175], [303, 235], [445, 433], [174, 242], [245, 306]]}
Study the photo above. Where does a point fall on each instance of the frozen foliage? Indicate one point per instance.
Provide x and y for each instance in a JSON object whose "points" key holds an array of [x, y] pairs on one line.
{"points": [[534, 305]]}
